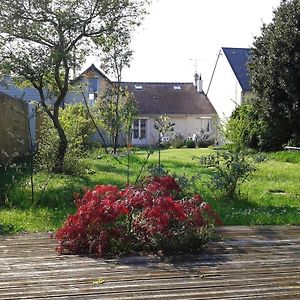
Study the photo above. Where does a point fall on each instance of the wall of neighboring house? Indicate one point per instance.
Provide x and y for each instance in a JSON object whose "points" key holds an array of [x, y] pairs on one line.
{"points": [[14, 131], [91, 88], [186, 125], [225, 92]]}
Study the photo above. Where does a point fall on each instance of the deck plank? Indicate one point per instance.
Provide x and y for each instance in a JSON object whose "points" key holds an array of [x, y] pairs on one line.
{"points": [[260, 262]]}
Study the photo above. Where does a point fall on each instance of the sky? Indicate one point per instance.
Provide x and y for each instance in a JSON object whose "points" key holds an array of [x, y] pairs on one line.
{"points": [[179, 37]]}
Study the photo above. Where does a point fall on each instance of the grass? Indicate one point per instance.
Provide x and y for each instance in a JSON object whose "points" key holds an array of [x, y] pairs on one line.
{"points": [[271, 196]]}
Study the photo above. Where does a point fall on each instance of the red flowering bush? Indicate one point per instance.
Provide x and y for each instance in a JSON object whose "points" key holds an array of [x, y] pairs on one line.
{"points": [[151, 217]]}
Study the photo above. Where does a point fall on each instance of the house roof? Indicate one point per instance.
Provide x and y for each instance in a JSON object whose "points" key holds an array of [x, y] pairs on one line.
{"points": [[91, 69], [169, 98], [238, 58], [28, 94]]}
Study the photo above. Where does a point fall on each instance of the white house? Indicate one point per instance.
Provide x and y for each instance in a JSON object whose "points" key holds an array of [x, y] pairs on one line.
{"points": [[188, 108], [184, 103], [230, 81]]}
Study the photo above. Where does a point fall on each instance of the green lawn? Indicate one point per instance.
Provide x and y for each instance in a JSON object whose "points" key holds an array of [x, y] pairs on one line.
{"points": [[272, 196]]}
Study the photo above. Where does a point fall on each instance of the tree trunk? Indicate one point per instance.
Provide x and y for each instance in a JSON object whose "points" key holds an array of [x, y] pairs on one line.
{"points": [[62, 145]]}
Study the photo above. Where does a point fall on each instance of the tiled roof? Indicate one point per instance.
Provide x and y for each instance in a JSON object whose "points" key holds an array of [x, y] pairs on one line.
{"points": [[169, 98], [238, 58]]}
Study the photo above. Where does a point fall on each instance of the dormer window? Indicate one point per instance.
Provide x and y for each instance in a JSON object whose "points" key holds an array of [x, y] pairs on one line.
{"points": [[177, 87], [138, 87]]}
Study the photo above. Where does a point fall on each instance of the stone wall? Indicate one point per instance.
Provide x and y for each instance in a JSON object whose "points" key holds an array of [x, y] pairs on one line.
{"points": [[14, 134]]}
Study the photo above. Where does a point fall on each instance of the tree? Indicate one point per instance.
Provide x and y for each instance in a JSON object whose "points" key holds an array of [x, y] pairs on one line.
{"points": [[42, 40], [246, 128], [117, 110], [164, 128], [117, 107], [275, 75]]}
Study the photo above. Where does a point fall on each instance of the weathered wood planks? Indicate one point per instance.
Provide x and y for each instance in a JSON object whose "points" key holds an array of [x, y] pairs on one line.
{"points": [[247, 263]]}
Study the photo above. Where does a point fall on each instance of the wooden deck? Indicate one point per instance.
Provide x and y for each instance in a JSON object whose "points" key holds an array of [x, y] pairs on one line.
{"points": [[250, 263]]}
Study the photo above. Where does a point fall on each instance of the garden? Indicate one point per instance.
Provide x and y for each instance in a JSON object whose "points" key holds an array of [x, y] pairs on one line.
{"points": [[142, 206]]}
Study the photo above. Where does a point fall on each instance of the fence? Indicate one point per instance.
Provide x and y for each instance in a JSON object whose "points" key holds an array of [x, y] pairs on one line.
{"points": [[14, 128]]}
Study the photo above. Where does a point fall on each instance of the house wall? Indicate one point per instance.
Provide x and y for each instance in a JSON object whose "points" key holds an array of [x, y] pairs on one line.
{"points": [[85, 87], [14, 132], [225, 92], [186, 125]]}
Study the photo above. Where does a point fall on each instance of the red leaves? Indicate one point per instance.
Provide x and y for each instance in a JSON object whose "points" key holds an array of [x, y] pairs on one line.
{"points": [[108, 220]]}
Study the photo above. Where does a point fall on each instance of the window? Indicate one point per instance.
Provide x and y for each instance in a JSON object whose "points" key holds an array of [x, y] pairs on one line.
{"points": [[138, 87], [143, 128], [204, 124], [93, 85], [140, 129], [136, 129], [177, 87]]}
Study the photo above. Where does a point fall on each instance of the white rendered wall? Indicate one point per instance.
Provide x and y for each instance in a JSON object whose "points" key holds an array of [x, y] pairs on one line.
{"points": [[225, 91], [186, 125]]}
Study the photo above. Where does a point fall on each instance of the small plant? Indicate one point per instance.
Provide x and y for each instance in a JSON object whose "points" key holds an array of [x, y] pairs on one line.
{"points": [[177, 140], [151, 217], [164, 128], [190, 143], [229, 170], [203, 139]]}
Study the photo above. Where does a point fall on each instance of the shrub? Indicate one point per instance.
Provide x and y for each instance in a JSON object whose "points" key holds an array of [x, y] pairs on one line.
{"points": [[203, 139], [229, 170], [150, 217], [245, 128], [177, 140], [190, 143], [78, 128]]}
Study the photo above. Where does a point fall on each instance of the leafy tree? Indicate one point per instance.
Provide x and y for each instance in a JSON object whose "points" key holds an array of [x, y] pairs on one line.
{"points": [[275, 75], [42, 40], [245, 128], [117, 110], [116, 107], [78, 128]]}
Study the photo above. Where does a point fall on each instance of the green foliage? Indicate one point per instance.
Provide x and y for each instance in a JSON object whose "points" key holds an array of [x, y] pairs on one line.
{"points": [[177, 140], [42, 40], [116, 110], [78, 128], [257, 203], [47, 146], [229, 171], [286, 156], [203, 139], [190, 143], [275, 75], [163, 126], [14, 177], [245, 128]]}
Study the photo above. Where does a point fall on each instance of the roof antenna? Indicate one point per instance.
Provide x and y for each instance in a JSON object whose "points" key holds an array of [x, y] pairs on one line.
{"points": [[195, 64], [197, 77]]}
